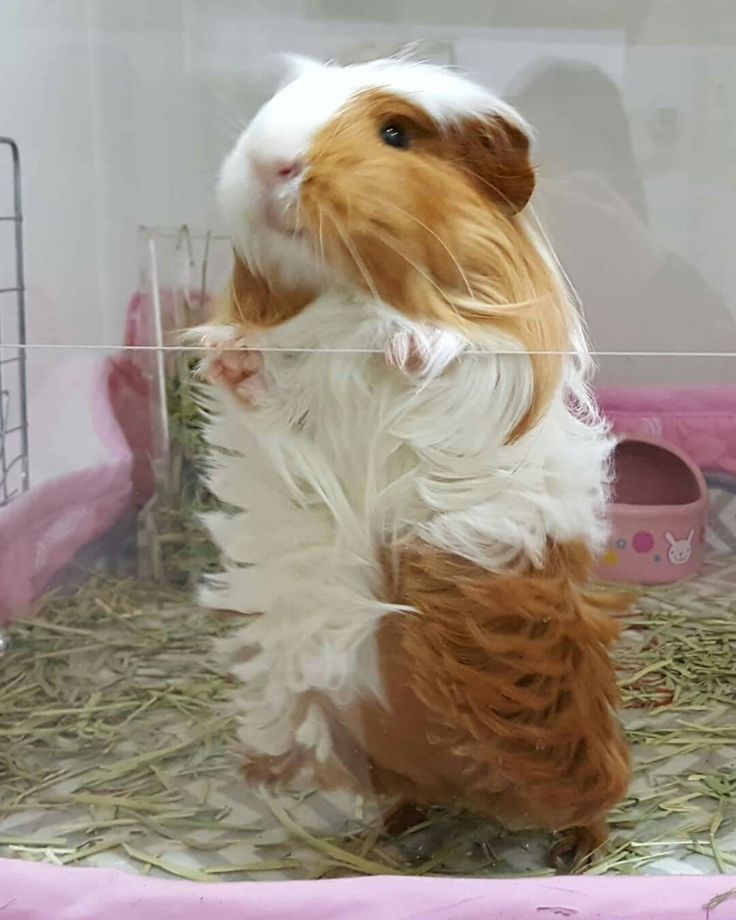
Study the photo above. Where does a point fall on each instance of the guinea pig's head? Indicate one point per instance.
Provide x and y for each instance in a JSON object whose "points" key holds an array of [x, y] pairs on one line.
{"points": [[404, 179]]}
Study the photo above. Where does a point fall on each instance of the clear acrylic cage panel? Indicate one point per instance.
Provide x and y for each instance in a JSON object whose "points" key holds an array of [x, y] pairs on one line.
{"points": [[120, 747], [632, 109], [629, 174], [182, 269], [117, 744], [695, 374]]}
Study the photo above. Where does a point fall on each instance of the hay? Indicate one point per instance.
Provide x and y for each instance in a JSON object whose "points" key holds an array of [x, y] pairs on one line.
{"points": [[176, 546], [106, 692], [678, 675]]}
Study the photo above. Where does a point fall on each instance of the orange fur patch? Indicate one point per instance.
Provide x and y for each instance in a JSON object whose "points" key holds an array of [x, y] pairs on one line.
{"points": [[501, 693], [501, 698], [252, 301]]}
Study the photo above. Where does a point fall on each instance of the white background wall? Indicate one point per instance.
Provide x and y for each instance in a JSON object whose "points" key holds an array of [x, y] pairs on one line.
{"points": [[123, 109]]}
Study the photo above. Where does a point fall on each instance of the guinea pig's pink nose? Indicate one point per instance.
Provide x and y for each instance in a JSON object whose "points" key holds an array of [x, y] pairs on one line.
{"points": [[274, 170], [288, 170]]}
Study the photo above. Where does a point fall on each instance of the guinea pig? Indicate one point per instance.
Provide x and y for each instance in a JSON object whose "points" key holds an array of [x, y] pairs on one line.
{"points": [[415, 470]]}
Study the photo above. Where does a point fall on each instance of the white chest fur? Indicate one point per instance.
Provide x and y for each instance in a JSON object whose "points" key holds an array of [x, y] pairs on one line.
{"points": [[345, 456]]}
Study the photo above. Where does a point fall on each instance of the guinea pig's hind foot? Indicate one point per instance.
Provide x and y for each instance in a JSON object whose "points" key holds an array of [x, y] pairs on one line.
{"points": [[575, 848], [270, 770], [403, 817]]}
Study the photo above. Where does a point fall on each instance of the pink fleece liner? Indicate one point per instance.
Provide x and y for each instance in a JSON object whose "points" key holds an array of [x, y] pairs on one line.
{"points": [[34, 891], [701, 421], [83, 482]]}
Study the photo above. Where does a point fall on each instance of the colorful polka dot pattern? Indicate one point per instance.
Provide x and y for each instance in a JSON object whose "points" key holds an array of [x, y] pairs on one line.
{"points": [[643, 541]]}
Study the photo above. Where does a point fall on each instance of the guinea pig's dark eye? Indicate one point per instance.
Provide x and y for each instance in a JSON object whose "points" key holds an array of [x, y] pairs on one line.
{"points": [[394, 134]]}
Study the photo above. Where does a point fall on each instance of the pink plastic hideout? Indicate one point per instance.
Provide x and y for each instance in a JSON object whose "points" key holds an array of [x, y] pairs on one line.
{"points": [[658, 514]]}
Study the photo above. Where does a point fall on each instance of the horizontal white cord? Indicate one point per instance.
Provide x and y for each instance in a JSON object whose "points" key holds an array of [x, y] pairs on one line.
{"points": [[358, 351]]}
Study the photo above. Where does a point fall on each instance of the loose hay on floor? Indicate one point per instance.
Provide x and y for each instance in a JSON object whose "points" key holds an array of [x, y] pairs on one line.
{"points": [[117, 750]]}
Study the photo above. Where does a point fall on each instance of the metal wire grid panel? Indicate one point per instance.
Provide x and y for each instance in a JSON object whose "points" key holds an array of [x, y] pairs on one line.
{"points": [[13, 397]]}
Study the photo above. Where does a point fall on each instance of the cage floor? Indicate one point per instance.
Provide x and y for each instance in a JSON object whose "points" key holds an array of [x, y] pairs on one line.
{"points": [[116, 751]]}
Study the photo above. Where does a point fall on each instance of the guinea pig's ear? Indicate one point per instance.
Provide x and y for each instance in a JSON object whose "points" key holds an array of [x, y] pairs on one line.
{"points": [[496, 152]]}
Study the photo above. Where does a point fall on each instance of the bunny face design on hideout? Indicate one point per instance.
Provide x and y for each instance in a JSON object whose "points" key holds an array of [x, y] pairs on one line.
{"points": [[680, 550]]}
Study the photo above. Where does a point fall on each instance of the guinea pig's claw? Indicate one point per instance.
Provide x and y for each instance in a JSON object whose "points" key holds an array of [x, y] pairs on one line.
{"points": [[576, 848]]}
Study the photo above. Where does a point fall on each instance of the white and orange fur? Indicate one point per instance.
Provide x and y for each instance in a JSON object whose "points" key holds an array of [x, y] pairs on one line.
{"points": [[416, 470]]}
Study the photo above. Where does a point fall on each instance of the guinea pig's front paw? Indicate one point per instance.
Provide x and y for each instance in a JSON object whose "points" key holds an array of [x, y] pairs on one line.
{"points": [[422, 352], [241, 372], [230, 363]]}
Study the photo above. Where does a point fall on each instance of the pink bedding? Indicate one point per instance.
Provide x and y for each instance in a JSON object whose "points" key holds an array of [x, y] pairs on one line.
{"points": [[701, 421], [80, 479], [33, 891]]}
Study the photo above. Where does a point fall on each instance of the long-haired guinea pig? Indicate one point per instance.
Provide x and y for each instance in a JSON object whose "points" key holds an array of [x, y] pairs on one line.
{"points": [[417, 471]]}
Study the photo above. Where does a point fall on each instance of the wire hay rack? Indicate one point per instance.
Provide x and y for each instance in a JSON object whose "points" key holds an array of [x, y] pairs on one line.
{"points": [[14, 477], [180, 270]]}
